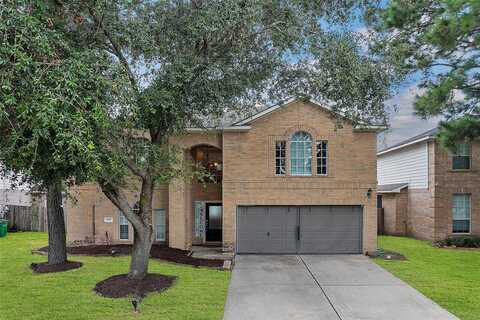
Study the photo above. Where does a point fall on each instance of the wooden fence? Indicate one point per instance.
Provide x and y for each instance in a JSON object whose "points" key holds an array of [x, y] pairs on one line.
{"points": [[32, 218]]}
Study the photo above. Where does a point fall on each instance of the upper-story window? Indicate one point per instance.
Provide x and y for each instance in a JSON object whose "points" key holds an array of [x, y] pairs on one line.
{"points": [[322, 157], [280, 157], [301, 154], [461, 159]]}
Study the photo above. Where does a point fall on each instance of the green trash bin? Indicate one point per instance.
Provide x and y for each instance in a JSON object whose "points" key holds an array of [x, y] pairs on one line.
{"points": [[3, 227]]}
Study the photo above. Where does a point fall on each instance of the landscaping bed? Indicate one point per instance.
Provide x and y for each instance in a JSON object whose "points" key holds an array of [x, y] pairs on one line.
{"points": [[387, 255], [468, 242], [44, 267], [161, 252], [121, 286]]}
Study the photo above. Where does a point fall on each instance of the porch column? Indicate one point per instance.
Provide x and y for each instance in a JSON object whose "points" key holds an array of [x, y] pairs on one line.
{"points": [[177, 214]]}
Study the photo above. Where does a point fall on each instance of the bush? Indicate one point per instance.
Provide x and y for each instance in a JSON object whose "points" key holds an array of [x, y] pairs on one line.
{"points": [[461, 241]]}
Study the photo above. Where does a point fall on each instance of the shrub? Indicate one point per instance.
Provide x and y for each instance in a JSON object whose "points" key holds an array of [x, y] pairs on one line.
{"points": [[462, 241]]}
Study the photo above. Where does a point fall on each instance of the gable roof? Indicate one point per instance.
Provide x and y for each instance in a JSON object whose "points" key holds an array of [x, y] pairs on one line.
{"points": [[247, 121], [425, 136], [391, 188]]}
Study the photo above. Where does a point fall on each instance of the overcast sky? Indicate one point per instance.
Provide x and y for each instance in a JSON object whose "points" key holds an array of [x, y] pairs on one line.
{"points": [[403, 122]]}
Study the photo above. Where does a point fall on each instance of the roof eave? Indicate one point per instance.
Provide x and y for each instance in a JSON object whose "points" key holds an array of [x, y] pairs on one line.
{"points": [[370, 128], [357, 128], [262, 113], [396, 190], [220, 129], [427, 138]]}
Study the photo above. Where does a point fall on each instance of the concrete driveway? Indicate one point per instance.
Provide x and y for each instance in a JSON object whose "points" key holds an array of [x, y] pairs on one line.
{"points": [[345, 287]]}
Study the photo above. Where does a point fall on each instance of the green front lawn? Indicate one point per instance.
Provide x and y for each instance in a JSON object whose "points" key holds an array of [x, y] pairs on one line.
{"points": [[449, 277], [199, 293]]}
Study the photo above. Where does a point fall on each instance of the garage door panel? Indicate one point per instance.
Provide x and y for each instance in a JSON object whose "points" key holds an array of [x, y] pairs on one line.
{"points": [[282, 220], [323, 229], [251, 225], [331, 229]]}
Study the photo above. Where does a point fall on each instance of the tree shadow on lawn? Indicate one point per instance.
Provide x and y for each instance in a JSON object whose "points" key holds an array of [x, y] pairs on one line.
{"points": [[44, 267]]}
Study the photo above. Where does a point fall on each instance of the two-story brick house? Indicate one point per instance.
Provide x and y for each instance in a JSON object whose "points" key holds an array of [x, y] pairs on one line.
{"points": [[428, 192], [288, 180]]}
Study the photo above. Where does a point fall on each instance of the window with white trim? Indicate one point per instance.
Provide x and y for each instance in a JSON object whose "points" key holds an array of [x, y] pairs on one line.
{"points": [[461, 157], [159, 224], [123, 225], [301, 154], [280, 157], [461, 213], [322, 157]]}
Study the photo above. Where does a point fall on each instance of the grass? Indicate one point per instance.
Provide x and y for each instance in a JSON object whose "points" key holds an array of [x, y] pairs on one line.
{"points": [[199, 293], [449, 277]]}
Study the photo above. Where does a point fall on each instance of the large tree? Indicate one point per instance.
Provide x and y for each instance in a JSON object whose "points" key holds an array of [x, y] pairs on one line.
{"points": [[50, 93], [439, 40], [176, 64]]}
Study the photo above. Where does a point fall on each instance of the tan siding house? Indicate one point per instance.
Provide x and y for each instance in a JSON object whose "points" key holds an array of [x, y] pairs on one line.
{"points": [[288, 181]]}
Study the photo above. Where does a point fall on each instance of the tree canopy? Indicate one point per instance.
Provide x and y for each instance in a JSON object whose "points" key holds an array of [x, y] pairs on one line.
{"points": [[52, 94], [122, 78], [52, 97], [440, 40]]}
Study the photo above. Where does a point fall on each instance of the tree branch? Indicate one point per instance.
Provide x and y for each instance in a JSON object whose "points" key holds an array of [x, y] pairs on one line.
{"points": [[119, 199], [135, 170], [116, 50]]}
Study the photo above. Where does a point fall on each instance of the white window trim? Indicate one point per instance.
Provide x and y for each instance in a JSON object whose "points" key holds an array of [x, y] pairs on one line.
{"points": [[120, 215], [165, 225], [452, 155], [290, 156], [284, 159], [317, 158], [469, 215]]}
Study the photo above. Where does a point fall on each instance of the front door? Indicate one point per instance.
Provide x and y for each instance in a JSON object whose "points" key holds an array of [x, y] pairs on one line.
{"points": [[213, 222]]}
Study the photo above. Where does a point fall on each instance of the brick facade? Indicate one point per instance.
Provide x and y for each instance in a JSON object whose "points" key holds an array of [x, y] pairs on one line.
{"points": [[395, 210], [449, 182], [429, 214], [249, 178]]}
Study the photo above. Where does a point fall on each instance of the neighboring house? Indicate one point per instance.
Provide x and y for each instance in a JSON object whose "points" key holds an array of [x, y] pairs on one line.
{"points": [[24, 208], [427, 192], [288, 180], [13, 193]]}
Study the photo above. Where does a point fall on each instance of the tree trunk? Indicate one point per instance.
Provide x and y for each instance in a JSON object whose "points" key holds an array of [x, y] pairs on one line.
{"points": [[57, 243], [141, 220], [142, 243], [143, 232]]}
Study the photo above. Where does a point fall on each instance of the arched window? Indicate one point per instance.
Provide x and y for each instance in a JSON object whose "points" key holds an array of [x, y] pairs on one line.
{"points": [[301, 154]]}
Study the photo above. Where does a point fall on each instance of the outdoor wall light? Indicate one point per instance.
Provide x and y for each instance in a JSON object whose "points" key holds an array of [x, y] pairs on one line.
{"points": [[369, 193]]}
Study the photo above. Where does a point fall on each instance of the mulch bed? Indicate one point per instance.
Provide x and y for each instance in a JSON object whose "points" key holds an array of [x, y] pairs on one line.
{"points": [[162, 252], [121, 286], [44, 267], [387, 255]]}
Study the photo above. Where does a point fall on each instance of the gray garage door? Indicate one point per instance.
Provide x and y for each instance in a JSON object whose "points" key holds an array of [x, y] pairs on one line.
{"points": [[293, 229]]}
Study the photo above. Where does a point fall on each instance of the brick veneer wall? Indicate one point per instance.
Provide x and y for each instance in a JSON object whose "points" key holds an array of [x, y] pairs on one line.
{"points": [[88, 199], [249, 178], [395, 210], [176, 199], [249, 168], [448, 182]]}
